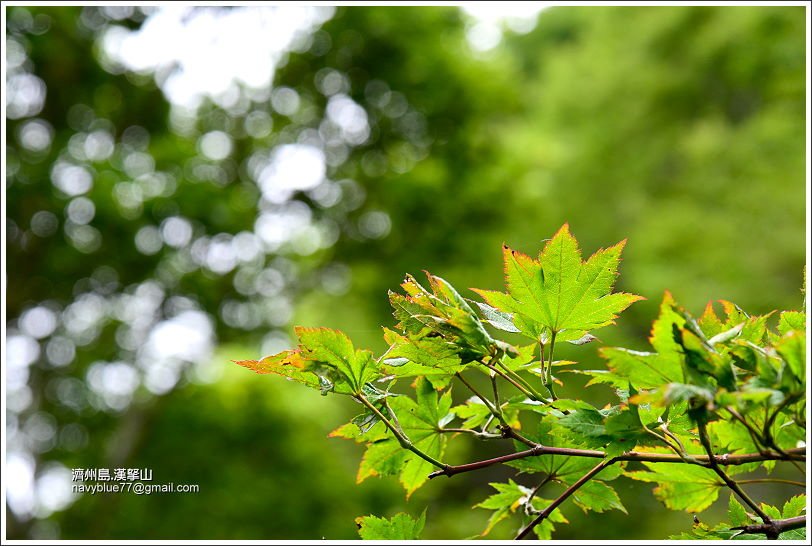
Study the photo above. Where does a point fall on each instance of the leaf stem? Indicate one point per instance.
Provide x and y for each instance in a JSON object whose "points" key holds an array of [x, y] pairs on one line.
{"points": [[768, 424], [549, 383], [772, 480], [528, 503], [401, 437], [530, 392], [496, 412], [496, 401], [755, 435], [393, 414], [506, 430]]}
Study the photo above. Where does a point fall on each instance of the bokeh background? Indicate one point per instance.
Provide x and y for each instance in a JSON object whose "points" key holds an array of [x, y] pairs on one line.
{"points": [[183, 185]]}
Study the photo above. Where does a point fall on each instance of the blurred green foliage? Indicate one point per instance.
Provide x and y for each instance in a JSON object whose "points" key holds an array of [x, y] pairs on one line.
{"points": [[679, 128]]}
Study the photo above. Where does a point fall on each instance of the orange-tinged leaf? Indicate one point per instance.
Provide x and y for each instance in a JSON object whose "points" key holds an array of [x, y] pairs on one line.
{"points": [[288, 364]]}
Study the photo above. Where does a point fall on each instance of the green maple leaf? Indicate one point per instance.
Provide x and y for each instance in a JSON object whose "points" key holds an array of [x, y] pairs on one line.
{"points": [[475, 413], [649, 370], [506, 501], [598, 496], [733, 437], [559, 293], [792, 349], [419, 420], [330, 350], [511, 498], [794, 507], [791, 320], [737, 514], [681, 486], [421, 354], [565, 469], [399, 527], [442, 312]]}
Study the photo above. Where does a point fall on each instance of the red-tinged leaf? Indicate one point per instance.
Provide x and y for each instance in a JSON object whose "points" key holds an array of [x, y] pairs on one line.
{"points": [[445, 314], [289, 364], [709, 322], [524, 278]]}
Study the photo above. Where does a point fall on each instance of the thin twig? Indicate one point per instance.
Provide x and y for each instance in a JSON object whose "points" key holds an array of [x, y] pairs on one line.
{"points": [[755, 435], [564, 496], [768, 424], [528, 506], [510, 432], [513, 382], [496, 412], [518, 378], [703, 438], [401, 437]]}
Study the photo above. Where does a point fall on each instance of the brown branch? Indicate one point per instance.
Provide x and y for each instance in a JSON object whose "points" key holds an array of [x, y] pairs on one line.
{"points": [[504, 428], [778, 526], [564, 496], [730, 482], [538, 450]]}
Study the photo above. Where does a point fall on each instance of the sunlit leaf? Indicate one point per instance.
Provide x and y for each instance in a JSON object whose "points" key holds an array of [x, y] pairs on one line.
{"points": [[559, 292], [399, 527], [681, 486]]}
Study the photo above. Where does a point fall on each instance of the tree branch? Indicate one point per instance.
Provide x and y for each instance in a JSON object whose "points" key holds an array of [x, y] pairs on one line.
{"points": [[496, 412], [504, 427], [778, 526], [731, 483], [401, 437], [537, 450]]}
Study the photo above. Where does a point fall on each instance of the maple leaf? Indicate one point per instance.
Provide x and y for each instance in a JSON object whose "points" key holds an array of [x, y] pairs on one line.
{"points": [[421, 421], [560, 293], [399, 527], [681, 486], [444, 314], [325, 360]]}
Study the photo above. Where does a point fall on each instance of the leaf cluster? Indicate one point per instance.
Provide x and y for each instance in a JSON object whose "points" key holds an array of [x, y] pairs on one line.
{"points": [[711, 392]]}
